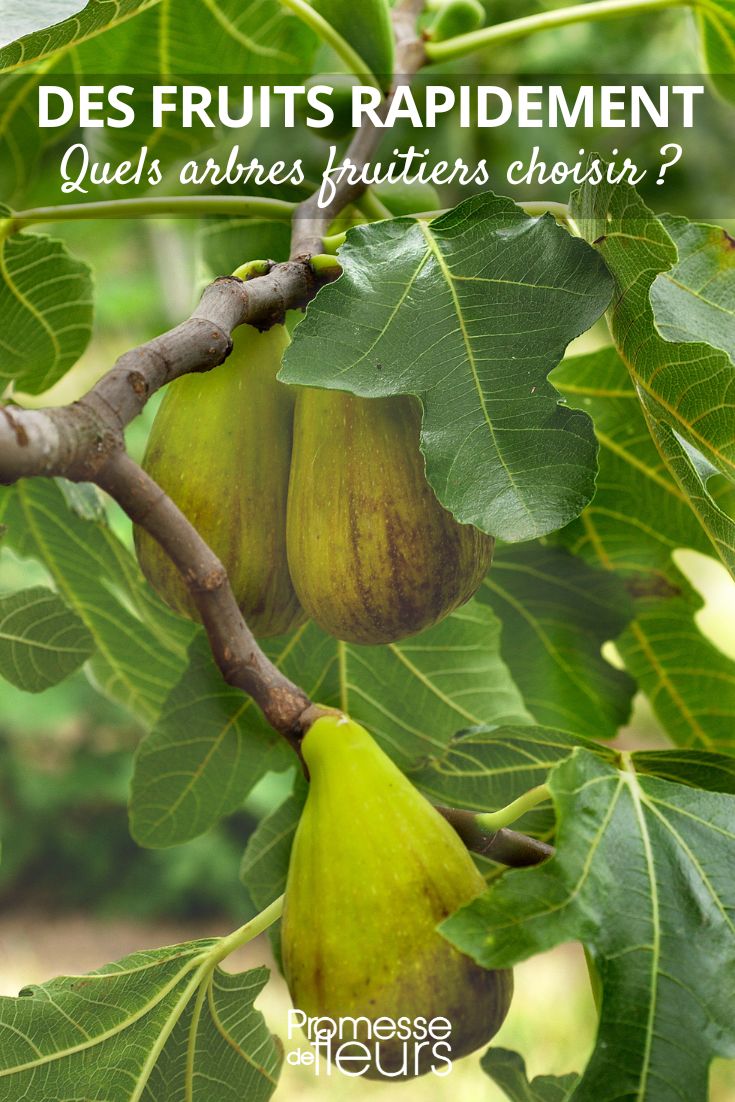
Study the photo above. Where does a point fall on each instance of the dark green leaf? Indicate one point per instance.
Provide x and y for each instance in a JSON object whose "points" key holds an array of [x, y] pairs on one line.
{"points": [[206, 751], [638, 518], [695, 300], [97, 16], [644, 875], [686, 388], [483, 770], [265, 862], [556, 613], [442, 310]]}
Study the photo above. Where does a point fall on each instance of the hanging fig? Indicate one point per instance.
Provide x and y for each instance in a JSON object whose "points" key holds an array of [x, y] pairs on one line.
{"points": [[401, 198], [456, 17], [220, 446], [374, 868], [372, 553]]}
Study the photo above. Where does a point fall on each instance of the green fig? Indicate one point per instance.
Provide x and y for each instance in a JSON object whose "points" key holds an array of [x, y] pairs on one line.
{"points": [[220, 447], [373, 554], [374, 869], [401, 198], [340, 100], [456, 17]]}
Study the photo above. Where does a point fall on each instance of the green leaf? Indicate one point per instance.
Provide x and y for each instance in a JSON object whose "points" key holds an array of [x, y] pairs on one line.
{"points": [[716, 19], [556, 613], [265, 862], [159, 1026], [97, 16], [139, 645], [207, 37], [485, 769], [469, 312], [638, 518], [22, 140], [45, 310], [508, 1071], [212, 744], [643, 875], [206, 751], [695, 300], [698, 768], [685, 388], [41, 640]]}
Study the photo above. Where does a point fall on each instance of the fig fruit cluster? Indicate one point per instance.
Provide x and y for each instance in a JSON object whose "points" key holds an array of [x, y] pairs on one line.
{"points": [[374, 869], [315, 501]]}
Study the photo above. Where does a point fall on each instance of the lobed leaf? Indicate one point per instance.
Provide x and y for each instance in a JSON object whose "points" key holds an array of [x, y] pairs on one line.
{"points": [[644, 875], [440, 310], [639, 517], [686, 389], [161, 1026]]}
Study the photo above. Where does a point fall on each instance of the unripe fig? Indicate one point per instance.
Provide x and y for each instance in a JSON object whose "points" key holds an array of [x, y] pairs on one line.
{"points": [[374, 869], [373, 555], [456, 17], [220, 447], [366, 26], [401, 198], [340, 100]]}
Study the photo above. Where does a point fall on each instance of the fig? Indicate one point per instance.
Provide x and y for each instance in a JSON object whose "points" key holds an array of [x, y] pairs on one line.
{"points": [[373, 555], [456, 17], [374, 868], [401, 198], [220, 447], [340, 100], [366, 26]]}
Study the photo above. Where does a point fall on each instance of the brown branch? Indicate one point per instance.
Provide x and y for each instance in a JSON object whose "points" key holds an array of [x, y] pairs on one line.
{"points": [[76, 441], [242, 662], [506, 846], [85, 442], [311, 221]]}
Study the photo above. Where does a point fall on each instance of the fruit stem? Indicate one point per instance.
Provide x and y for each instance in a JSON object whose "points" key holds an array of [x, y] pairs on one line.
{"points": [[541, 21], [371, 206], [325, 266], [496, 820], [248, 932], [252, 269]]}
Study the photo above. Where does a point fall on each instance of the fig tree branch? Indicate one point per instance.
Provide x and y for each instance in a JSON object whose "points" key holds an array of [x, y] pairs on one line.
{"points": [[85, 440], [508, 847], [241, 661]]}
